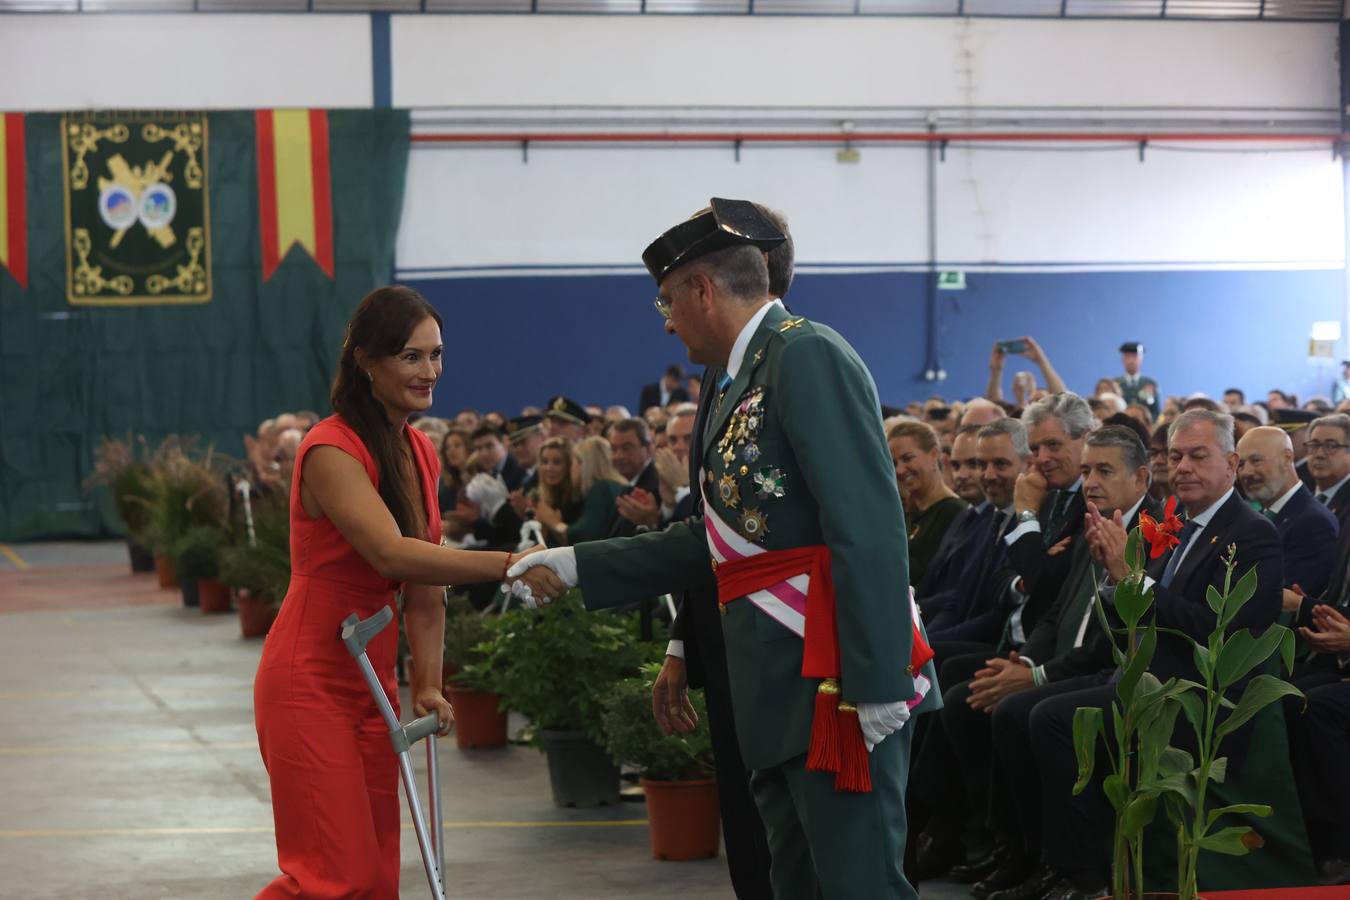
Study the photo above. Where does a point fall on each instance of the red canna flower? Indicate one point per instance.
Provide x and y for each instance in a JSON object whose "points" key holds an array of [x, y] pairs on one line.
{"points": [[1161, 536]]}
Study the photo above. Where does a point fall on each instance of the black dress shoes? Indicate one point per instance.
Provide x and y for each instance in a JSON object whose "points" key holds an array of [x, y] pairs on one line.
{"points": [[1014, 870], [934, 857], [971, 872], [1066, 890], [1034, 887], [1333, 871]]}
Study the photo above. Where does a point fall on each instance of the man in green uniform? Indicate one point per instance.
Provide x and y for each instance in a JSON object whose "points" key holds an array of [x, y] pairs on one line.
{"points": [[1134, 387], [804, 533]]}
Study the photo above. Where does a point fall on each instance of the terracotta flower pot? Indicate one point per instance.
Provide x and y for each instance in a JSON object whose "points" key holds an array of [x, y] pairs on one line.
{"points": [[256, 614], [683, 817], [212, 596], [479, 724], [168, 579]]}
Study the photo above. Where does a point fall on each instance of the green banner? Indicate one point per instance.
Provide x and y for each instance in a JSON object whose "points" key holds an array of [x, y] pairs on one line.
{"points": [[71, 371]]}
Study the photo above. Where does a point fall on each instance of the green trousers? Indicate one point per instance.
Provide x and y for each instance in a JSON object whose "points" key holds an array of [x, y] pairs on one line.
{"points": [[827, 845]]}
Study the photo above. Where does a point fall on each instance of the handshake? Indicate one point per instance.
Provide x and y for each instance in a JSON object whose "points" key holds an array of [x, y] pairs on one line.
{"points": [[541, 575]]}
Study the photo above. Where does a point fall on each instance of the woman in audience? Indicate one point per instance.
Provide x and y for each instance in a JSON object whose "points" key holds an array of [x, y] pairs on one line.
{"points": [[557, 500], [1105, 386], [930, 506], [454, 454], [598, 484]]}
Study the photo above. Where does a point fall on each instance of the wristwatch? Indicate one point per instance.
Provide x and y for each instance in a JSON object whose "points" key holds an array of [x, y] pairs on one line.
{"points": [[1027, 515]]}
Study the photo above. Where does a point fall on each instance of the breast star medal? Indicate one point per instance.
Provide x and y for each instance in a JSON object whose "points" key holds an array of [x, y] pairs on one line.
{"points": [[769, 484], [754, 525], [729, 491]]}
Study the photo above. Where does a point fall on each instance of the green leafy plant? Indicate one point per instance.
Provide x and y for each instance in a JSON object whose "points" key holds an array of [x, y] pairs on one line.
{"points": [[197, 553], [264, 567], [123, 466], [1145, 768], [186, 488], [468, 636], [555, 664], [632, 736]]}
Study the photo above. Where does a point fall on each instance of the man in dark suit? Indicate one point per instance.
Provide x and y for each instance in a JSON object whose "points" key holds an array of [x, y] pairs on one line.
{"points": [[630, 445], [1307, 528], [951, 555], [670, 389], [1049, 504], [1067, 651], [1203, 463], [1328, 459]]}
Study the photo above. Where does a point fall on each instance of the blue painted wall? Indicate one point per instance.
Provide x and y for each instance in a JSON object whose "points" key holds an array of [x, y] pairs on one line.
{"points": [[513, 341]]}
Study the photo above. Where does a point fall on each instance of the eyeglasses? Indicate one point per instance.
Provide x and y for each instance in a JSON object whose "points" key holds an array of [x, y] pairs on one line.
{"points": [[662, 305], [1324, 446]]}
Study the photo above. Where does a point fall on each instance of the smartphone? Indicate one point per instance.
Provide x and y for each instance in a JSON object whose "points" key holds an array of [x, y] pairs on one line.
{"points": [[1013, 347]]}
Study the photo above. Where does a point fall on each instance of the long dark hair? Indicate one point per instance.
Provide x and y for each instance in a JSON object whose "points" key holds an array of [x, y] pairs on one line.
{"points": [[381, 326]]}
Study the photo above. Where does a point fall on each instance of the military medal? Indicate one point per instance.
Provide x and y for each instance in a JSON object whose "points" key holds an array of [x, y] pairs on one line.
{"points": [[769, 484], [751, 452], [754, 525], [729, 491]]}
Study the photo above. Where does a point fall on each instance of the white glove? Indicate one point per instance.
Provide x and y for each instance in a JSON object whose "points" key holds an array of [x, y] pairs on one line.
{"points": [[563, 562], [488, 491], [880, 720]]}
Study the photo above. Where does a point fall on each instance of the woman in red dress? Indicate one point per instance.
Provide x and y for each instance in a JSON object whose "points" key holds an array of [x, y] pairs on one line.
{"points": [[364, 522]]}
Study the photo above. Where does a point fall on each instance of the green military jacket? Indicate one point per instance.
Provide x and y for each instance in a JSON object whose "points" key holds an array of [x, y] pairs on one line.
{"points": [[1144, 392], [794, 456]]}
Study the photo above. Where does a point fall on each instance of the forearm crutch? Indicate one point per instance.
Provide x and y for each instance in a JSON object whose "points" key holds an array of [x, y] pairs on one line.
{"points": [[356, 634]]}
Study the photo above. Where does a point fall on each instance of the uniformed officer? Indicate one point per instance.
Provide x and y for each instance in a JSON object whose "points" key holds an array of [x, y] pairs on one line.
{"points": [[1134, 387], [804, 535]]}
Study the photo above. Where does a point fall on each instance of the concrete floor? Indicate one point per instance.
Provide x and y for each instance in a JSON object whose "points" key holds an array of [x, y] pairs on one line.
{"points": [[129, 766]]}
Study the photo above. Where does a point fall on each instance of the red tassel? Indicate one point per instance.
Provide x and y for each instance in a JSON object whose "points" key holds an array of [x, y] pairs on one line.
{"points": [[855, 772], [824, 753]]}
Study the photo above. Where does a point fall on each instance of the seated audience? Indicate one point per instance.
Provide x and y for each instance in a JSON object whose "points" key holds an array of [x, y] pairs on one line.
{"points": [[930, 506], [598, 485]]}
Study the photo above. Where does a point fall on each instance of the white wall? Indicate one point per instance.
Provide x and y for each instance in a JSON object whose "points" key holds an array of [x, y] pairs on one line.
{"points": [[183, 61], [593, 206], [812, 61]]}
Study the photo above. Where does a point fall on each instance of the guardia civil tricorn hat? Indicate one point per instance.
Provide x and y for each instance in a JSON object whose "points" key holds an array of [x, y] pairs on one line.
{"points": [[724, 223]]}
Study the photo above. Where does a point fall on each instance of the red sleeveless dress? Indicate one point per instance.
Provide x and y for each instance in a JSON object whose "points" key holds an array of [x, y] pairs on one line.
{"points": [[333, 773]]}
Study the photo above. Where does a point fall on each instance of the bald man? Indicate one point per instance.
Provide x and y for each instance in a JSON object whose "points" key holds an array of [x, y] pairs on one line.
{"points": [[1307, 528], [981, 412]]}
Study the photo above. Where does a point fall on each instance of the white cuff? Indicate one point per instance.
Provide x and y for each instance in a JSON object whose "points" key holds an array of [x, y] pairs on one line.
{"points": [[1038, 676], [675, 649], [1032, 527]]}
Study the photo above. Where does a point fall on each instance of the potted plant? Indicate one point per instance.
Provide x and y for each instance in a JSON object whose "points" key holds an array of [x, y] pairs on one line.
{"points": [[1145, 767], [470, 679], [676, 770], [554, 665], [197, 559], [186, 489], [121, 464], [259, 572]]}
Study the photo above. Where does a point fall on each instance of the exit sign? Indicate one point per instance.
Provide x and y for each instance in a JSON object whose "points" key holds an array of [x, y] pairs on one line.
{"points": [[951, 281]]}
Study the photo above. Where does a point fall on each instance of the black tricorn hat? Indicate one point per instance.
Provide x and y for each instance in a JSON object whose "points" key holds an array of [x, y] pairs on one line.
{"points": [[567, 410], [1292, 419], [521, 427], [1131, 347], [724, 223]]}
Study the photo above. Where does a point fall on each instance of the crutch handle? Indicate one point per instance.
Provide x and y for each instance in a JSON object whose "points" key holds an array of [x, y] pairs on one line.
{"points": [[420, 728], [357, 633]]}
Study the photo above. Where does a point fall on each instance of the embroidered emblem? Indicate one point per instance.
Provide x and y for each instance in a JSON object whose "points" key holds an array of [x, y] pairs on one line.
{"points": [[754, 525], [790, 324], [769, 483], [751, 452], [729, 491], [759, 358]]}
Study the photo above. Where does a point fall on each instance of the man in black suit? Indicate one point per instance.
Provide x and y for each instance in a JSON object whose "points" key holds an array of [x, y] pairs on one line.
{"points": [[1328, 447], [697, 658], [1049, 505], [630, 444], [1307, 528], [937, 589], [670, 389], [1067, 651], [1203, 463]]}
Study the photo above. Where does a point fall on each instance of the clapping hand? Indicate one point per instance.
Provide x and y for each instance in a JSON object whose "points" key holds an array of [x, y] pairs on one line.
{"points": [[1332, 631], [639, 507], [1106, 540]]}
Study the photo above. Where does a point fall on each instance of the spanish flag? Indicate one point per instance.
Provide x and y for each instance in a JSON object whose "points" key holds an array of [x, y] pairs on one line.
{"points": [[295, 204], [13, 199]]}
